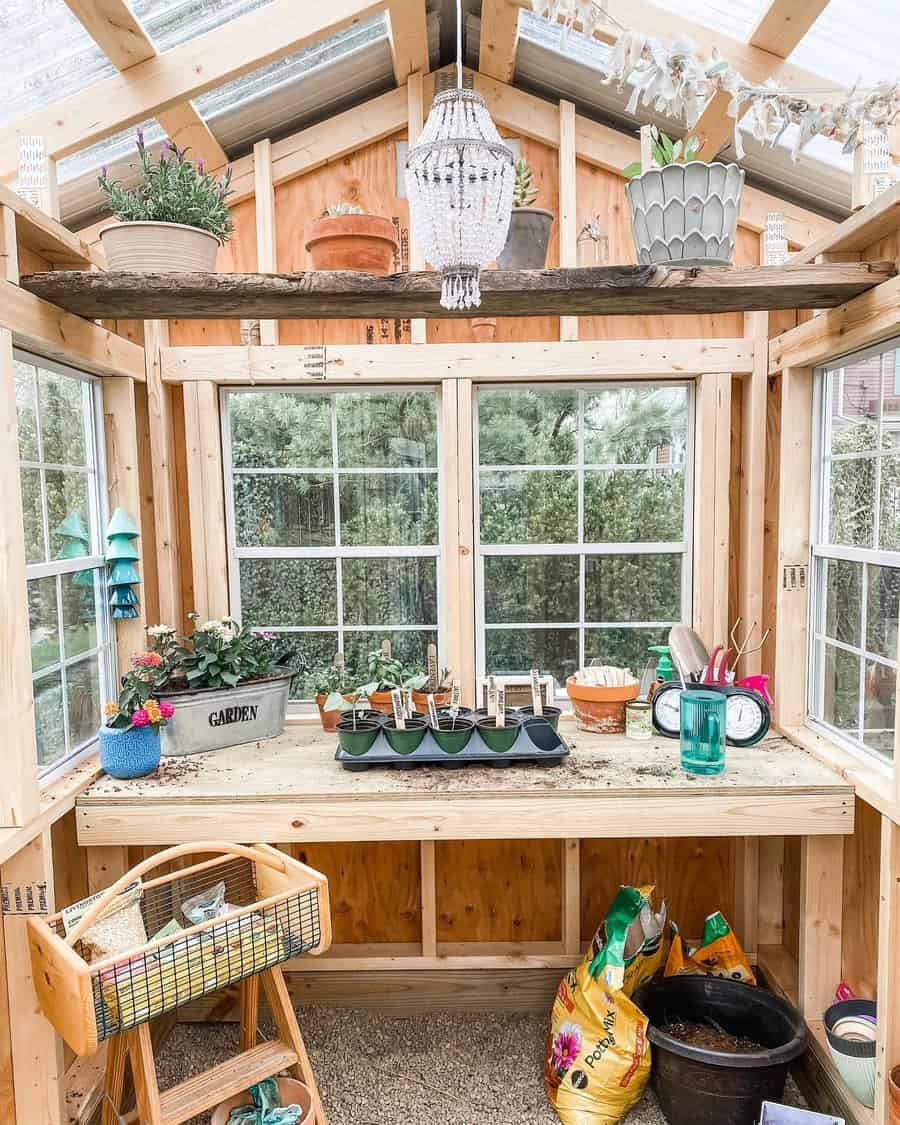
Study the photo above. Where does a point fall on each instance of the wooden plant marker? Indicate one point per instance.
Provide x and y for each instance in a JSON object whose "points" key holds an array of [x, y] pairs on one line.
{"points": [[501, 705], [399, 709], [432, 667], [491, 696], [455, 698], [537, 700], [386, 649]]}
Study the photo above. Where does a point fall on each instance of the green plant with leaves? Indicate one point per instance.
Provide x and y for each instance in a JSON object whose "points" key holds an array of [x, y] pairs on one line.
{"points": [[665, 151], [524, 191], [339, 701], [174, 190], [219, 654], [385, 672], [332, 680], [343, 208]]}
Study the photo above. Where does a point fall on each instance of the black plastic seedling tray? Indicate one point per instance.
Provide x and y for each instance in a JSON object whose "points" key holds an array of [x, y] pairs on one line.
{"points": [[552, 750]]}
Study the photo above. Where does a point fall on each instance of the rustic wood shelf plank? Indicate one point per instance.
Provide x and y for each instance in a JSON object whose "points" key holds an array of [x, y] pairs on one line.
{"points": [[638, 290]]}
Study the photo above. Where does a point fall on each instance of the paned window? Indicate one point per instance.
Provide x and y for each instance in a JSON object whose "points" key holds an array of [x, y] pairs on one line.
{"points": [[856, 550], [583, 520], [333, 521], [61, 475]]}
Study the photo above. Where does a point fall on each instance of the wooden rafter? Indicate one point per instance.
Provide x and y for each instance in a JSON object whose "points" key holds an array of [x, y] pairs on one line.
{"points": [[169, 79], [499, 39], [408, 31], [119, 34]]}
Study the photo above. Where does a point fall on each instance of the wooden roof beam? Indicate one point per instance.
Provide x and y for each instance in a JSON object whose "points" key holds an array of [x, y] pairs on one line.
{"points": [[408, 31], [120, 35], [499, 39], [149, 88]]}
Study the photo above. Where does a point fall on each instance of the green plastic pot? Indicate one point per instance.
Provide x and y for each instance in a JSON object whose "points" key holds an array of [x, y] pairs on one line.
{"points": [[551, 714], [499, 739], [452, 735], [359, 739], [405, 741]]}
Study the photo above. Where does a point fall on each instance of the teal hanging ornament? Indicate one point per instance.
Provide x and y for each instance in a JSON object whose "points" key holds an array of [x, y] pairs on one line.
{"points": [[72, 527], [121, 556], [122, 597], [123, 574], [121, 525], [122, 550]]}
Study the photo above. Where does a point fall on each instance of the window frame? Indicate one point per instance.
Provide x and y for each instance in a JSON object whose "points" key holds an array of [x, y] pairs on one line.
{"points": [[820, 478], [338, 551], [96, 475], [684, 547]]}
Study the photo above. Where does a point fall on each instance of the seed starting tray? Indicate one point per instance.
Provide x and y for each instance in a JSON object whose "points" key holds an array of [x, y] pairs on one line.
{"points": [[553, 751]]}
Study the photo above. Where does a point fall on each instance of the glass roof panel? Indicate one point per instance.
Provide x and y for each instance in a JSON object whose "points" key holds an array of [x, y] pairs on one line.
{"points": [[170, 22], [853, 40], [735, 18]]}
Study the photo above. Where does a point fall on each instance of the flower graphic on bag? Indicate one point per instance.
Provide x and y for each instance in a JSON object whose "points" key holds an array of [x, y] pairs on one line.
{"points": [[565, 1047]]}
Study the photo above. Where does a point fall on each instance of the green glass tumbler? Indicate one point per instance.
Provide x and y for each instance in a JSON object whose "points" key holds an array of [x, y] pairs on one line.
{"points": [[702, 731]]}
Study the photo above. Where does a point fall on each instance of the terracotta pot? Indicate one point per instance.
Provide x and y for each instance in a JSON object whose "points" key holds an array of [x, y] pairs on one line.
{"points": [[601, 709], [381, 701], [329, 719], [895, 1095], [365, 243], [420, 700], [484, 329], [292, 1093], [145, 247]]}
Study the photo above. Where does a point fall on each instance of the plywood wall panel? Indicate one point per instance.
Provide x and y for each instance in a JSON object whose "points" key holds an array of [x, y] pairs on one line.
{"points": [[792, 849], [70, 876], [695, 876], [862, 871], [499, 890]]}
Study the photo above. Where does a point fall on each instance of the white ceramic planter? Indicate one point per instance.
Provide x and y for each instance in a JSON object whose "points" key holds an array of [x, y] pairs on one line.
{"points": [[158, 248], [686, 213]]}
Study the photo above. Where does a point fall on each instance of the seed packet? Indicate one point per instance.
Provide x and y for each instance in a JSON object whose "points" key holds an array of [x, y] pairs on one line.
{"points": [[120, 926]]}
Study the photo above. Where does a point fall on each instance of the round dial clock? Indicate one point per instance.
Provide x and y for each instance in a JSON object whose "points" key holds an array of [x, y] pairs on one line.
{"points": [[747, 715]]}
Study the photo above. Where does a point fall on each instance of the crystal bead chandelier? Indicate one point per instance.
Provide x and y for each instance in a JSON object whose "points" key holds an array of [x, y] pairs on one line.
{"points": [[459, 180]]}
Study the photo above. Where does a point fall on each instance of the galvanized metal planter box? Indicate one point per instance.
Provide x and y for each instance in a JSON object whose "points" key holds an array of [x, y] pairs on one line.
{"points": [[212, 719]]}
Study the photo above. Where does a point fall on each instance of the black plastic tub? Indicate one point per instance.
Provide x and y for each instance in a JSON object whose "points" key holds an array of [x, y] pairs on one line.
{"points": [[699, 1086]]}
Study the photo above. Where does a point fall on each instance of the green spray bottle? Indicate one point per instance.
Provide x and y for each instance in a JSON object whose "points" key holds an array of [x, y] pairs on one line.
{"points": [[665, 670]]}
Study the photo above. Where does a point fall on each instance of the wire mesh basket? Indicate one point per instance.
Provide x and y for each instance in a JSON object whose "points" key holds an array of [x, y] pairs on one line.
{"points": [[280, 911]]}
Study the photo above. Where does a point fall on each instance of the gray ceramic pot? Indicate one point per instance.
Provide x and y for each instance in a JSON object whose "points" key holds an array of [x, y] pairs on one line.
{"points": [[526, 243], [686, 213]]}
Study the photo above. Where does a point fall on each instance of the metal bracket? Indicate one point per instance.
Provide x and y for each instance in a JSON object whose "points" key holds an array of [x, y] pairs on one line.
{"points": [[314, 361], [24, 898], [794, 577]]}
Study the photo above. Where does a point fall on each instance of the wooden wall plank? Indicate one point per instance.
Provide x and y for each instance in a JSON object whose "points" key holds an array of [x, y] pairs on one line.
{"points": [[862, 850], [418, 329], [821, 888], [266, 245], [568, 205], [888, 1050], [206, 500]]}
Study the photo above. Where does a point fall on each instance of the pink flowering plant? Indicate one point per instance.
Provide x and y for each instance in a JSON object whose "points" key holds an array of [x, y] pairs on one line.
{"points": [[219, 654], [137, 705], [174, 190]]}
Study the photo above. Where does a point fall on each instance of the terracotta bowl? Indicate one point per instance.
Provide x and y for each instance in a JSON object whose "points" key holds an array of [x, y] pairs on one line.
{"points": [[292, 1093]]}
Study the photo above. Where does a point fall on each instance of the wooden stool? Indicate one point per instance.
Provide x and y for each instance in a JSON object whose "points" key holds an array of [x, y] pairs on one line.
{"points": [[206, 1090]]}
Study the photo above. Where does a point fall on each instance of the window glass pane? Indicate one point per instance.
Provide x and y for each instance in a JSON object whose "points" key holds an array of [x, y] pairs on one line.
{"points": [[523, 588], [284, 511], [43, 622], [632, 588], [31, 510], [840, 689], [853, 396], [636, 426], [389, 510], [882, 609], [851, 502], [529, 507], [288, 592], [49, 720], [889, 515], [83, 691], [275, 430], [878, 708], [79, 612], [409, 646], [890, 400], [387, 430], [389, 591], [527, 427], [623, 648], [517, 651], [634, 506], [64, 418], [68, 512], [309, 653], [840, 594], [26, 410]]}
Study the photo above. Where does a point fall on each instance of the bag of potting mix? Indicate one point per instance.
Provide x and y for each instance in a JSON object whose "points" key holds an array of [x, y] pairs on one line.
{"points": [[598, 1055], [719, 954]]}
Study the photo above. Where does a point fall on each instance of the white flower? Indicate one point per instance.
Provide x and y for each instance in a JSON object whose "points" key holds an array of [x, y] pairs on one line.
{"points": [[160, 631], [225, 630]]}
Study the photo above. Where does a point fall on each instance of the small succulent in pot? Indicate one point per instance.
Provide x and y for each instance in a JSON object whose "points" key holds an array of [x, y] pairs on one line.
{"points": [[129, 739], [665, 151], [345, 237], [329, 683], [174, 220], [529, 226]]}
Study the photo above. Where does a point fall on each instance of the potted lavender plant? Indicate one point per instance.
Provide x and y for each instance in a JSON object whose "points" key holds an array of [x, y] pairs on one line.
{"points": [[172, 222]]}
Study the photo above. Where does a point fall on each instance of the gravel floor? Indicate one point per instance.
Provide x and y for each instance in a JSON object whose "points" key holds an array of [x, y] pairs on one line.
{"points": [[442, 1069]]}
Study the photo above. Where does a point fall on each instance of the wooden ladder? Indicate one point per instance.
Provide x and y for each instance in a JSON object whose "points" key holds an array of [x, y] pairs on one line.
{"points": [[206, 1090]]}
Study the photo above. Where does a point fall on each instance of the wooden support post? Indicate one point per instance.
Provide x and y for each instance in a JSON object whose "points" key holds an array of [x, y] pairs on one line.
{"points": [[795, 459], [753, 473], [746, 894], [888, 1050], [821, 898], [124, 490], [571, 897], [105, 864], [37, 1050], [249, 990], [712, 463], [568, 222], [770, 907], [451, 629], [647, 160], [162, 447], [416, 119], [286, 1022], [266, 253], [206, 499], [19, 791], [465, 607], [429, 898]]}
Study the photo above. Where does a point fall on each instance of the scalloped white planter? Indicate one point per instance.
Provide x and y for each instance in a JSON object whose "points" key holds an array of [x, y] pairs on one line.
{"points": [[686, 213], [146, 247]]}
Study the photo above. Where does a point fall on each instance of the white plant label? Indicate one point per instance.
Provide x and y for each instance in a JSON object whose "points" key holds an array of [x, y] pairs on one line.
{"points": [[399, 713], [407, 705], [537, 702], [455, 698], [501, 705], [432, 710], [491, 696], [876, 151]]}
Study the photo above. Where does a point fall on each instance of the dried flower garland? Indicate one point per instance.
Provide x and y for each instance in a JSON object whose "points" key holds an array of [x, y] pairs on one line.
{"points": [[674, 78]]}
